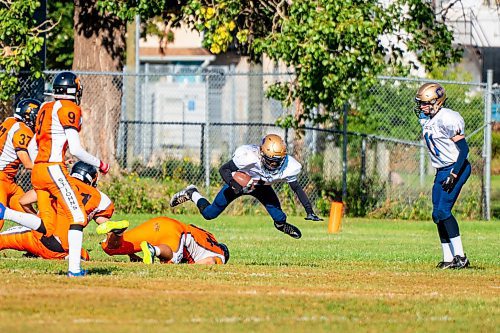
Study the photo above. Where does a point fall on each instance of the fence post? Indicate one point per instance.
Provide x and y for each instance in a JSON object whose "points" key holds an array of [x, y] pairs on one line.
{"points": [[422, 165], [207, 133], [233, 109], [202, 149], [487, 146], [363, 159], [344, 155]]}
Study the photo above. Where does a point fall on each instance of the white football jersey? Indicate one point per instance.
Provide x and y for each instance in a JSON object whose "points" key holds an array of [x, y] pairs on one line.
{"points": [[437, 133], [247, 159], [189, 248]]}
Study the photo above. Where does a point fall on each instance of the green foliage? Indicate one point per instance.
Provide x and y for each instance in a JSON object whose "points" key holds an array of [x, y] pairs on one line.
{"points": [[495, 144], [20, 41], [60, 37], [132, 194], [362, 197], [336, 47]]}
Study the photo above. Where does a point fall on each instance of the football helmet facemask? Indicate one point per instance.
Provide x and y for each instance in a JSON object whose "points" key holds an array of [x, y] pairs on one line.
{"points": [[85, 172], [67, 85], [27, 110], [272, 152], [432, 94]]}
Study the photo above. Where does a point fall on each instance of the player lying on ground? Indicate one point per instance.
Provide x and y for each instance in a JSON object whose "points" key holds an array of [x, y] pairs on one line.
{"points": [[266, 164], [165, 238], [15, 135], [98, 206]]}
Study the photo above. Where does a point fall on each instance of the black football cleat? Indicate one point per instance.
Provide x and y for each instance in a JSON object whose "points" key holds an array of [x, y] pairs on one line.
{"points": [[288, 229], [183, 195], [445, 265], [460, 262]]}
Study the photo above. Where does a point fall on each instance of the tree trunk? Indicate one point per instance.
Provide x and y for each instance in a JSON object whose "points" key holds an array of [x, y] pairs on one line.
{"points": [[99, 46]]}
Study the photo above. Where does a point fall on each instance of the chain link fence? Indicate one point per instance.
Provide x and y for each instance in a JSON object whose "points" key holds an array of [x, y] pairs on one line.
{"points": [[179, 125]]}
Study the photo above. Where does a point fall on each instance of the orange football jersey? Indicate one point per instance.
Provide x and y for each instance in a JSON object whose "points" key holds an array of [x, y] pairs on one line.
{"points": [[189, 243], [51, 121], [14, 136]]}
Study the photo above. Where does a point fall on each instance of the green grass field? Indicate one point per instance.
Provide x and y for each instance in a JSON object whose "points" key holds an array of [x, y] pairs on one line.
{"points": [[373, 276]]}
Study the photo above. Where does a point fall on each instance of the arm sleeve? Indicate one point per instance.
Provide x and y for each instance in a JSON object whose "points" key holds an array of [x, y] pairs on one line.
{"points": [[75, 148], [302, 196], [226, 171], [33, 149], [463, 151]]}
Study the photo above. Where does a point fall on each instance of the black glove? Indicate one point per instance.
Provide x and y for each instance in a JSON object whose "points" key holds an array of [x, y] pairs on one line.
{"points": [[313, 217], [237, 188], [449, 183]]}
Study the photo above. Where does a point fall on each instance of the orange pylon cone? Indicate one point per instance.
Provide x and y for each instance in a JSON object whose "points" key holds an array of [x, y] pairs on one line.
{"points": [[335, 219]]}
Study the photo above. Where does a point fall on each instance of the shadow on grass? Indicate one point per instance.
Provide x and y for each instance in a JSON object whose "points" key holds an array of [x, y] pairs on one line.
{"points": [[96, 271]]}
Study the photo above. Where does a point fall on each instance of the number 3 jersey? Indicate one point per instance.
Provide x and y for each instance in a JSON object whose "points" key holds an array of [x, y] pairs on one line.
{"points": [[437, 133], [247, 159], [14, 137]]}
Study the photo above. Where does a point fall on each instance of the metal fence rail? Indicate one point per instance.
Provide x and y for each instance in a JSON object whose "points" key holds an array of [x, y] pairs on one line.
{"points": [[182, 114]]}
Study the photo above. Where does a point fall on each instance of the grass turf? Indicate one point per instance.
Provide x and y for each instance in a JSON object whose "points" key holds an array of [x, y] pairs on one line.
{"points": [[373, 276]]}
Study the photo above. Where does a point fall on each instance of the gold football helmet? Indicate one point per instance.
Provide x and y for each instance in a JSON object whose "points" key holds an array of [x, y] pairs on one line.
{"points": [[272, 152], [432, 94]]}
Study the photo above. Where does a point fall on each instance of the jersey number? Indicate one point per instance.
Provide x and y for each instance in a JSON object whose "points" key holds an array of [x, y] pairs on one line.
{"points": [[40, 121], [431, 144], [2, 130], [86, 198]]}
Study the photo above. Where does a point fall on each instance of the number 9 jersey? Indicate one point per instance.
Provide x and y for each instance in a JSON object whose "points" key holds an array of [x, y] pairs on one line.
{"points": [[438, 131], [53, 118]]}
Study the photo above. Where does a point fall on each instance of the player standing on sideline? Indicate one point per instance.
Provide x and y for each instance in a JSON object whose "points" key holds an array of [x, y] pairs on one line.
{"points": [[165, 238], [443, 131], [266, 164], [15, 135], [57, 127]]}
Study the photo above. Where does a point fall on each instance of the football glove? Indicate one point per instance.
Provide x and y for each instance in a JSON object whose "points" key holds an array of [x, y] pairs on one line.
{"points": [[104, 168], [313, 217], [237, 188], [449, 183]]}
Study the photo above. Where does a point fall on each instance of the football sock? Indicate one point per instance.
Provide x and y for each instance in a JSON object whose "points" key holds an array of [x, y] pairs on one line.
{"points": [[456, 244], [447, 253], [196, 196], [28, 220], [157, 251], [75, 240]]}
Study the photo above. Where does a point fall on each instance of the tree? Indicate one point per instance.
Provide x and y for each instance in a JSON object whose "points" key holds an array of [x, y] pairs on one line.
{"points": [[99, 46], [60, 38], [335, 47], [19, 44]]}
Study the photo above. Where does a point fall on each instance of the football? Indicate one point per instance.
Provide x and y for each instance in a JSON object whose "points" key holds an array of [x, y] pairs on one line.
{"points": [[242, 178]]}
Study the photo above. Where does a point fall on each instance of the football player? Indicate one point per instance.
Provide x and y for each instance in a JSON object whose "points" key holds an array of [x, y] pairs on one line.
{"points": [[443, 132], [15, 135], [169, 240], [97, 205], [57, 128], [267, 164]]}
